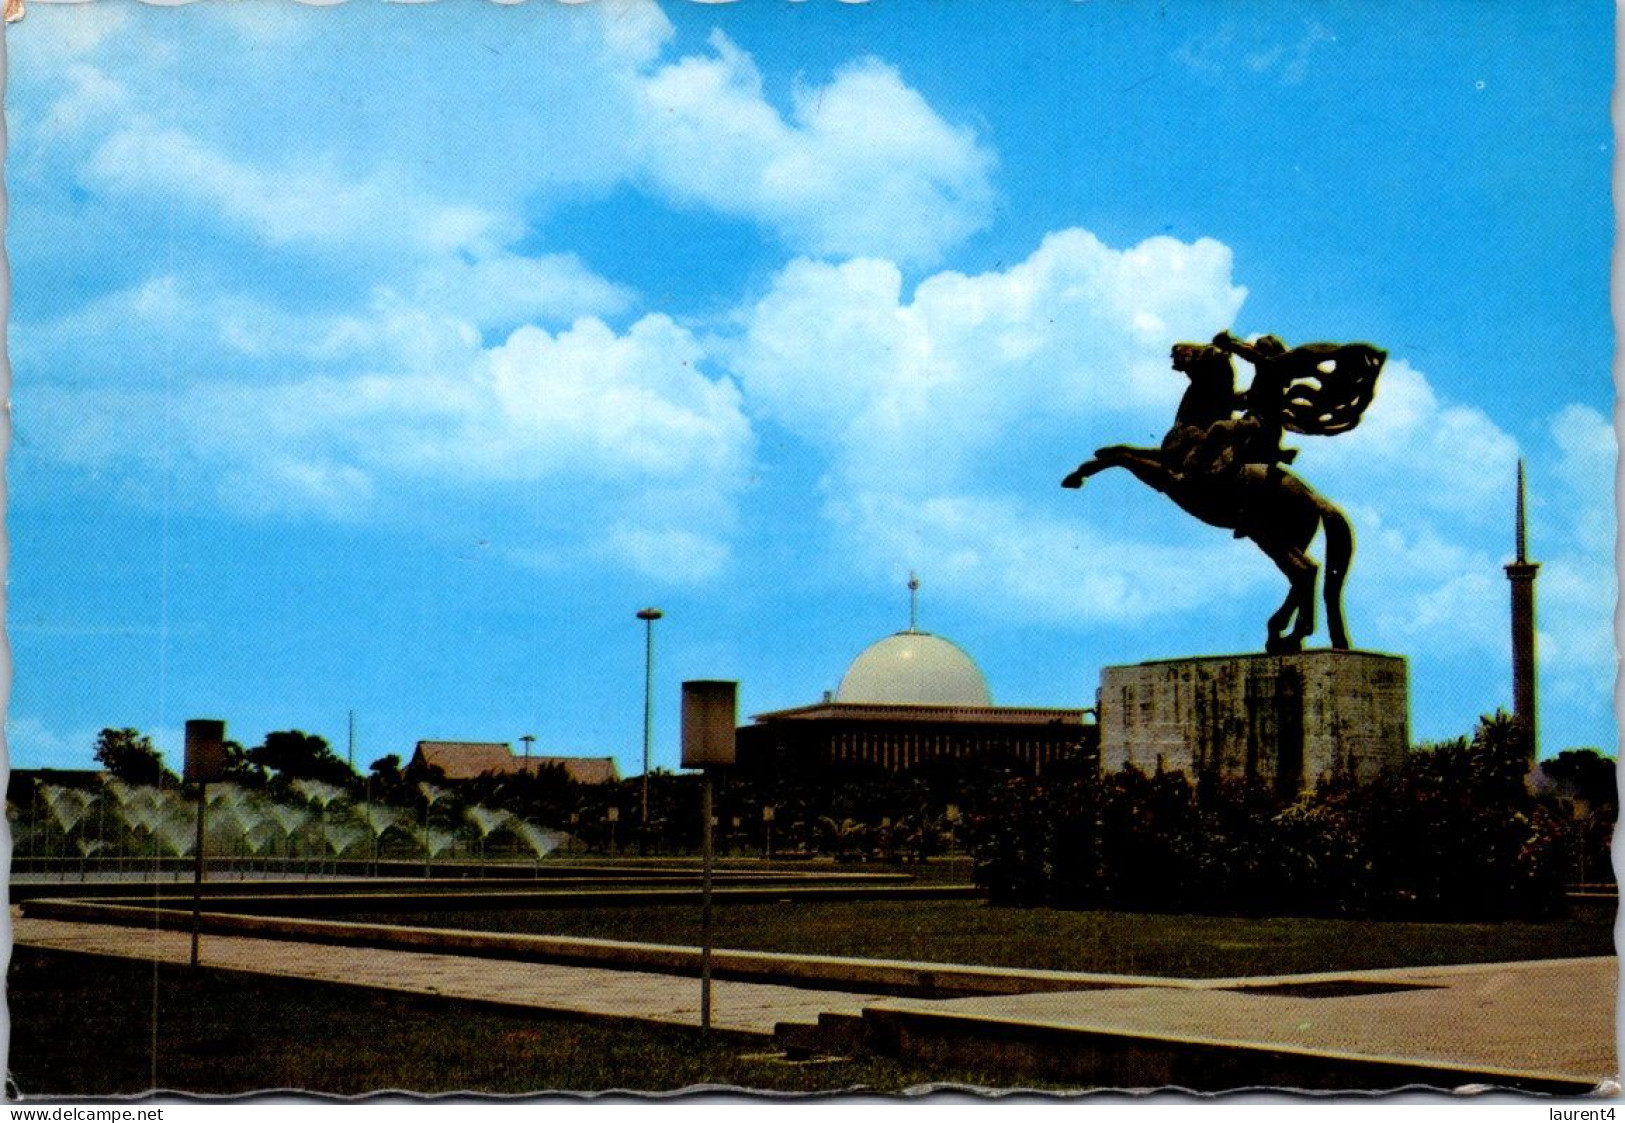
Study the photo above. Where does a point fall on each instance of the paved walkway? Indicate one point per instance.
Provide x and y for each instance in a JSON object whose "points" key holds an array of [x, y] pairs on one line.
{"points": [[1545, 1018], [748, 1007]]}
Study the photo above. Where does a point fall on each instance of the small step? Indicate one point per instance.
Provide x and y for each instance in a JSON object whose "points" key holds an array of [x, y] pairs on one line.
{"points": [[798, 1041], [834, 1035], [843, 1033]]}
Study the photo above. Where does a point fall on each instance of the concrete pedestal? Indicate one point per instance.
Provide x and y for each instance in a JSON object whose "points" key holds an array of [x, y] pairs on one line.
{"points": [[1289, 720]]}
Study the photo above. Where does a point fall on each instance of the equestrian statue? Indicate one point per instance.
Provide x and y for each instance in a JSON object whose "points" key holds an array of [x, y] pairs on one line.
{"points": [[1222, 460]]}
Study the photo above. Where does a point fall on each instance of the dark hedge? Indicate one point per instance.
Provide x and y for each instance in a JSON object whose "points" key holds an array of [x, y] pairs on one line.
{"points": [[1456, 835]]}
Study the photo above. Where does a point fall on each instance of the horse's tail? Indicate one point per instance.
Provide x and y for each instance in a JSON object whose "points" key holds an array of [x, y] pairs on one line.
{"points": [[1339, 555]]}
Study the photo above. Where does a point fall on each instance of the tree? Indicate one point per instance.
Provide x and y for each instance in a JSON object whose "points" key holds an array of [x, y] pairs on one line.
{"points": [[130, 756], [1500, 759], [386, 783], [1585, 774], [295, 755], [1582, 789], [240, 769]]}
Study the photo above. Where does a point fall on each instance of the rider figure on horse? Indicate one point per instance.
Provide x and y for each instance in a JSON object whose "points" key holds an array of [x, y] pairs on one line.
{"points": [[1207, 445], [1210, 445]]}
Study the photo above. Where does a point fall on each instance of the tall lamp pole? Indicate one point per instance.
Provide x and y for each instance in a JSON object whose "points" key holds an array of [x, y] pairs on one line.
{"points": [[648, 616], [529, 739], [710, 712], [205, 763]]}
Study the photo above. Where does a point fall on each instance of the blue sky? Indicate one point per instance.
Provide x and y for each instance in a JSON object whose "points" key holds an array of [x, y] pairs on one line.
{"points": [[388, 358]]}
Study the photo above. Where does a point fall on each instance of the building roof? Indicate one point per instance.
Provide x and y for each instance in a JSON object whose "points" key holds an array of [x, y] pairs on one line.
{"points": [[915, 714], [464, 760], [914, 669], [582, 769]]}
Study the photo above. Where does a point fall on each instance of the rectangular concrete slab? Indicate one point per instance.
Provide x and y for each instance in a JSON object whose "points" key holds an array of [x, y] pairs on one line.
{"points": [[1546, 1020]]}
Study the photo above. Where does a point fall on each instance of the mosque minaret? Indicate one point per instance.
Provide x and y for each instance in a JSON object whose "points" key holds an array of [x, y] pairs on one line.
{"points": [[1521, 573]]}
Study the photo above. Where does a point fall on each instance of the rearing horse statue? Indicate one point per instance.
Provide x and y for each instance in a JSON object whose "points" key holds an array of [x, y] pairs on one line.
{"points": [[1225, 469]]}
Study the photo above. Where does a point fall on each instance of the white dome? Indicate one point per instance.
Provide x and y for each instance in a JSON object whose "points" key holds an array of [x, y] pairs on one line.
{"points": [[914, 669]]}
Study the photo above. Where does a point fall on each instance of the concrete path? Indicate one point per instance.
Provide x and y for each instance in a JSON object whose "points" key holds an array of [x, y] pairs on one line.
{"points": [[738, 1006], [1545, 1019]]}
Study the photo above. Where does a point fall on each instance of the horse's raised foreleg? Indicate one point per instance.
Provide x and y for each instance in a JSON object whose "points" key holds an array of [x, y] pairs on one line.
{"points": [[1112, 456], [1082, 472]]}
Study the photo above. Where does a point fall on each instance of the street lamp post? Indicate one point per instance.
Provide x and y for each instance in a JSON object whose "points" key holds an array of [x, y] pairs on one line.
{"points": [[529, 739], [648, 616], [710, 712], [205, 763]]}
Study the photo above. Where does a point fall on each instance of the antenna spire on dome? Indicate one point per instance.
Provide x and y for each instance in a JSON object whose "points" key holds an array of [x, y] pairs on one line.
{"points": [[913, 601]]}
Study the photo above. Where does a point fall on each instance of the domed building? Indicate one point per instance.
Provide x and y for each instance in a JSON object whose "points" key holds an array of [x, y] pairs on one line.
{"points": [[914, 668], [907, 699]]}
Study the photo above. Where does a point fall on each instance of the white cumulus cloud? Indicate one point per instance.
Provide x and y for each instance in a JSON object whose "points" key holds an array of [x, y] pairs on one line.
{"points": [[621, 442], [859, 164], [294, 204], [862, 165]]}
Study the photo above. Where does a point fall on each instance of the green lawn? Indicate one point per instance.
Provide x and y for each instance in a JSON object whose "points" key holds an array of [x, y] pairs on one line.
{"points": [[1112, 942], [94, 1027]]}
